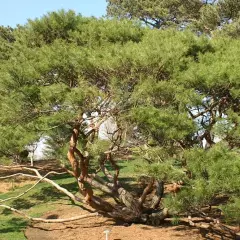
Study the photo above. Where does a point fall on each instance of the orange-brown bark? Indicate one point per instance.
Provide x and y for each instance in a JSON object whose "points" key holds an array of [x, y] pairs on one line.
{"points": [[80, 164]]}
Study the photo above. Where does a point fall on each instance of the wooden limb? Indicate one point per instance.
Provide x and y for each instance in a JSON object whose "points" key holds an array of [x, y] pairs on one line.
{"points": [[214, 225], [99, 186], [109, 157], [74, 162], [149, 23], [49, 220], [20, 166], [97, 125], [104, 169], [100, 204], [109, 185], [72, 149], [129, 201], [156, 217], [124, 196], [84, 181], [216, 221], [33, 170], [85, 189], [39, 176], [116, 168], [16, 175], [68, 171], [80, 155], [101, 180], [82, 165], [145, 192], [26, 191], [109, 176], [207, 109], [158, 195]]}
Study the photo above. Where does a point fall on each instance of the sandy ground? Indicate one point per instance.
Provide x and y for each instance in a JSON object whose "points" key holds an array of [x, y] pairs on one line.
{"points": [[93, 228]]}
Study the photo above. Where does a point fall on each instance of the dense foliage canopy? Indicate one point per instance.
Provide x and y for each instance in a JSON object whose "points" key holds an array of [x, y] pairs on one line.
{"points": [[175, 96], [201, 15]]}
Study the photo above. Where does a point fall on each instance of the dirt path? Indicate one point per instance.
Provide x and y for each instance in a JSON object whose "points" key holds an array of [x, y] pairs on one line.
{"points": [[92, 229]]}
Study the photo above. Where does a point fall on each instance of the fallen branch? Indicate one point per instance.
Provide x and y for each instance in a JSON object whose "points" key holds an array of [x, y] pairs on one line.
{"points": [[49, 220], [158, 194], [15, 167], [20, 195], [146, 191], [17, 174], [209, 224], [39, 176]]}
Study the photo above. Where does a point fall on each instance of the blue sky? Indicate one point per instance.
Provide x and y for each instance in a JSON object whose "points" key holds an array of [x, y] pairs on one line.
{"points": [[13, 12]]}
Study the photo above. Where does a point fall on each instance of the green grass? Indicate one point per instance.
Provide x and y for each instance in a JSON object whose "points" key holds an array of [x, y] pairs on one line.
{"points": [[44, 198]]}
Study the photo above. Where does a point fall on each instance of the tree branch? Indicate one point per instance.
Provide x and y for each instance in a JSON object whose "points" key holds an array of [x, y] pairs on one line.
{"points": [[104, 169], [207, 109], [20, 195], [158, 195], [39, 176], [18, 174], [49, 220], [146, 191]]}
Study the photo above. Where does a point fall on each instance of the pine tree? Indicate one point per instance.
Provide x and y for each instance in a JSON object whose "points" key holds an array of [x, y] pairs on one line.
{"points": [[166, 91], [204, 16]]}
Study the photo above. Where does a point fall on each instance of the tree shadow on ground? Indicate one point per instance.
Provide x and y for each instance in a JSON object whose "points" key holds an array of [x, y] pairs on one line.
{"points": [[129, 183], [71, 187], [13, 225], [22, 203], [48, 194], [6, 212], [62, 176]]}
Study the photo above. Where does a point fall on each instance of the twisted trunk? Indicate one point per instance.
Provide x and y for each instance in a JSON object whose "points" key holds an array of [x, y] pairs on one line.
{"points": [[127, 208]]}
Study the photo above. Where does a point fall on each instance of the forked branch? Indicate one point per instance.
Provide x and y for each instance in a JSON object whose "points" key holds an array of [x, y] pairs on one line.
{"points": [[29, 189], [44, 179]]}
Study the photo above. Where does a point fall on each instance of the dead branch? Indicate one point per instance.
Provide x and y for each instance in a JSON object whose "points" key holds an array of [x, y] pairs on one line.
{"points": [[102, 181], [104, 169], [16, 175], [15, 167], [158, 195], [49, 220], [116, 168], [20, 195], [39, 176], [209, 224], [128, 200], [67, 170], [214, 226], [145, 192], [99, 186]]}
